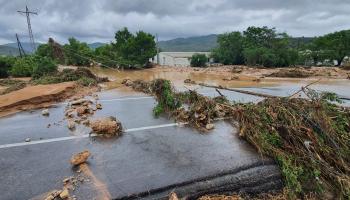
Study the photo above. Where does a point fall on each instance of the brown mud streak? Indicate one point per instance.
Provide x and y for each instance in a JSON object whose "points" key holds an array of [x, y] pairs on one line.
{"points": [[103, 193], [35, 97]]}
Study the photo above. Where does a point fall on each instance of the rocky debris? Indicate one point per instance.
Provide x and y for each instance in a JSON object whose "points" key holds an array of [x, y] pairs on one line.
{"points": [[109, 126], [86, 122], [231, 78], [80, 158], [79, 110], [53, 195], [27, 140], [83, 110], [71, 124], [237, 70], [99, 106], [80, 102], [45, 112], [173, 196], [127, 82], [189, 81], [210, 126], [64, 194], [297, 72]]}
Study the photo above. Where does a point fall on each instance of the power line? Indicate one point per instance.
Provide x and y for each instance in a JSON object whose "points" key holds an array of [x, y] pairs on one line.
{"points": [[27, 12]]}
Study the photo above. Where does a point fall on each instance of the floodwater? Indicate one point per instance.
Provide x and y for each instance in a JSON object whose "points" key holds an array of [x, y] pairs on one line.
{"points": [[272, 86]]}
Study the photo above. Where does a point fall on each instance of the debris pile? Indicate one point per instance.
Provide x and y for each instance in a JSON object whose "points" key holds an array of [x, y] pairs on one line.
{"points": [[82, 75], [309, 138], [12, 85], [292, 73], [108, 126], [189, 81]]}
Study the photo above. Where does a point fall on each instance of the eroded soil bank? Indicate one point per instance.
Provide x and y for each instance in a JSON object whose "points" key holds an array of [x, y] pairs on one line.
{"points": [[38, 96]]}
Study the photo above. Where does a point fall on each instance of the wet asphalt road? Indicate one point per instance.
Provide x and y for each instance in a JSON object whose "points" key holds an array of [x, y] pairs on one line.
{"points": [[148, 163], [142, 163]]}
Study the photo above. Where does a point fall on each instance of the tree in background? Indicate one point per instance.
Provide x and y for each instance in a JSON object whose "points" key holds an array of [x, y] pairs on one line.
{"points": [[77, 53], [333, 46], [199, 60], [107, 55], [6, 63], [134, 50], [257, 46], [230, 49]]}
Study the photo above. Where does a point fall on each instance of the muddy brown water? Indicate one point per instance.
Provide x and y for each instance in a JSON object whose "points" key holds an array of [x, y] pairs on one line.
{"points": [[273, 86]]}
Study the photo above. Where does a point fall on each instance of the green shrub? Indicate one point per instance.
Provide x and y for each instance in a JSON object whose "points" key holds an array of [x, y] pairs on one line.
{"points": [[23, 67], [44, 66], [199, 60], [6, 63]]}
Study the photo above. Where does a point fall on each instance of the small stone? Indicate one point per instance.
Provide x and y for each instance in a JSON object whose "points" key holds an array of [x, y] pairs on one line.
{"points": [[48, 126], [71, 125], [98, 106], [86, 122], [28, 140], [209, 126], [45, 112], [64, 194]]}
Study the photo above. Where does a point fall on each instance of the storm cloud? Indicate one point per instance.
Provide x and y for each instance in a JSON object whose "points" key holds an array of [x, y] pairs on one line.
{"points": [[97, 20]]}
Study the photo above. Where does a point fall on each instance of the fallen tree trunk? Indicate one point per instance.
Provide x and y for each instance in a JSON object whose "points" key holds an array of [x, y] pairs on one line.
{"points": [[237, 90]]}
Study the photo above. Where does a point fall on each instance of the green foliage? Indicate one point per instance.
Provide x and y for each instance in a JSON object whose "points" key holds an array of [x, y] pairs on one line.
{"points": [[199, 60], [333, 46], [6, 63], [167, 100], [134, 51], [77, 53], [230, 49], [258, 46], [44, 50], [23, 67], [44, 66], [107, 55]]}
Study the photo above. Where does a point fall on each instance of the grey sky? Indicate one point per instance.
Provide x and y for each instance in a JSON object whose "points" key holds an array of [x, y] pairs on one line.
{"points": [[97, 20]]}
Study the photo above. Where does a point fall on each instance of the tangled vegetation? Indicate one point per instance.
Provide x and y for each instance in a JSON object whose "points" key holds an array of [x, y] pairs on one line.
{"points": [[308, 138], [82, 75]]}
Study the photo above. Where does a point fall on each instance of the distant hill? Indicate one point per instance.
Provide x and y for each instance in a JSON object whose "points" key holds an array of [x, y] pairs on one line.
{"points": [[8, 51], [191, 44], [26, 46], [95, 45]]}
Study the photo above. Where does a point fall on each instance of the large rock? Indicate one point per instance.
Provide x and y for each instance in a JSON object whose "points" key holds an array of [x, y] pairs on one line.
{"points": [[106, 126], [80, 158]]}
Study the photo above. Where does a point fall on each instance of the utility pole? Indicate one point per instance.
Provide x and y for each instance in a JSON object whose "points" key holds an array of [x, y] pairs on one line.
{"points": [[27, 12], [158, 62], [20, 48]]}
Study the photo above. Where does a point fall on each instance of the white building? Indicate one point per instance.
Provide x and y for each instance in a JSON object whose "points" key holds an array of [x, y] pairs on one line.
{"points": [[182, 59]]}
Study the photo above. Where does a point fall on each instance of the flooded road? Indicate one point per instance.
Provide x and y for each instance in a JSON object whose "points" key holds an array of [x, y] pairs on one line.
{"points": [[154, 156]]}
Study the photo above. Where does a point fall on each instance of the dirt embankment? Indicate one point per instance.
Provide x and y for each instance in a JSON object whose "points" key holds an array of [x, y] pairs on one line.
{"points": [[38, 96]]}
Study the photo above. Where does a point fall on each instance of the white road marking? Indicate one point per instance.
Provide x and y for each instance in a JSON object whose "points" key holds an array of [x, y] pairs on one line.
{"points": [[5, 146]]}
